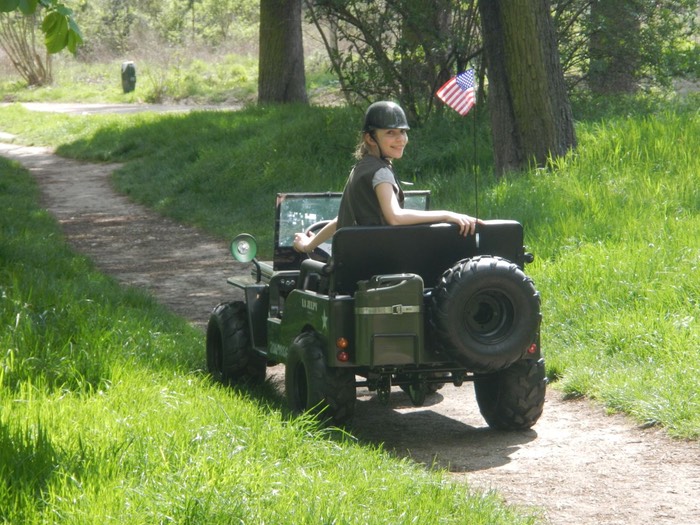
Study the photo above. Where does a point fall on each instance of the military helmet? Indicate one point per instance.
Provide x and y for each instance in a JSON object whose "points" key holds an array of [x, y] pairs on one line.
{"points": [[385, 115]]}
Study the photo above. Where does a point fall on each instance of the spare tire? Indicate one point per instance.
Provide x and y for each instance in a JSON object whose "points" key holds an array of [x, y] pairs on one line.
{"points": [[485, 313]]}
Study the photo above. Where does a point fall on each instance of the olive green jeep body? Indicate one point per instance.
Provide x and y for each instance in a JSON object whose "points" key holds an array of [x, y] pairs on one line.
{"points": [[413, 307]]}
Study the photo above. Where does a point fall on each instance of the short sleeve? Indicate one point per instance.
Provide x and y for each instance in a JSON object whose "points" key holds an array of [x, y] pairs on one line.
{"points": [[383, 175]]}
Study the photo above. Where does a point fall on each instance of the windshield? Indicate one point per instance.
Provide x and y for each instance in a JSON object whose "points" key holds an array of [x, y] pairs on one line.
{"points": [[296, 212]]}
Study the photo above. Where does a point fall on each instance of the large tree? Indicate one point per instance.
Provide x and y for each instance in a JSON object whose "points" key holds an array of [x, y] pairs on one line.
{"points": [[531, 116], [281, 77]]}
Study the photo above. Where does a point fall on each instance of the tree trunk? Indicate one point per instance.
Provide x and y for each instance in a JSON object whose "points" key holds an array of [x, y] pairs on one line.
{"points": [[281, 75], [531, 116], [614, 46], [19, 41]]}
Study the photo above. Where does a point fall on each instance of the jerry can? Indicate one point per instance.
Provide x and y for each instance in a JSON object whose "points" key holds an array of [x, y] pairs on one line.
{"points": [[389, 320]]}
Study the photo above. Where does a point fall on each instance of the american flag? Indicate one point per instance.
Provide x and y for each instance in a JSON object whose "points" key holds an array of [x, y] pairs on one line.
{"points": [[459, 92]]}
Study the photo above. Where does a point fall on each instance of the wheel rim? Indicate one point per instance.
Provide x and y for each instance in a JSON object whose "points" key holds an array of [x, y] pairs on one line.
{"points": [[489, 316]]}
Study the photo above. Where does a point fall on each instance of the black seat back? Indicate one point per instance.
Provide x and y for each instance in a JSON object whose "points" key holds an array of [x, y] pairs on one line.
{"points": [[360, 252]]}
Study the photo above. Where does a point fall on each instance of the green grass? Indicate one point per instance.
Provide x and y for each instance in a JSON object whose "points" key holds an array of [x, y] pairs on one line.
{"points": [[173, 77], [107, 417], [209, 168]]}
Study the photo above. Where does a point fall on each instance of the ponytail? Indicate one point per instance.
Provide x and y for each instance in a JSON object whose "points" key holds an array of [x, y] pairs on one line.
{"points": [[362, 149]]}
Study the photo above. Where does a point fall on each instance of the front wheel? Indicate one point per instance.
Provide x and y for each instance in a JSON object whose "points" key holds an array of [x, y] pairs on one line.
{"points": [[512, 399], [230, 355], [312, 386]]}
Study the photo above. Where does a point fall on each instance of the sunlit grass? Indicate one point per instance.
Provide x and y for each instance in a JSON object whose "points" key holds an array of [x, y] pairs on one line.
{"points": [[151, 450], [171, 76]]}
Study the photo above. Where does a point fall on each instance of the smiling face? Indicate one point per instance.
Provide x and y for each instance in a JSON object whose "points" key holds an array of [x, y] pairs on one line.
{"points": [[388, 143]]}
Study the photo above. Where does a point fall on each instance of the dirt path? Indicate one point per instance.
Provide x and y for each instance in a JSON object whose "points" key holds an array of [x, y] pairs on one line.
{"points": [[184, 268], [577, 466]]}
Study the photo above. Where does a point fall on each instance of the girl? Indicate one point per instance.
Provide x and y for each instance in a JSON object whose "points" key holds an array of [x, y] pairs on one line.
{"points": [[372, 196]]}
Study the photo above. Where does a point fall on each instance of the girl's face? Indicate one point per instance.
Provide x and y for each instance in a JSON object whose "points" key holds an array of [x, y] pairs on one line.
{"points": [[391, 142]]}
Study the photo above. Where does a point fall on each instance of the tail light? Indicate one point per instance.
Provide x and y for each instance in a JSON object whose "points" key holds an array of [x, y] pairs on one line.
{"points": [[342, 355]]}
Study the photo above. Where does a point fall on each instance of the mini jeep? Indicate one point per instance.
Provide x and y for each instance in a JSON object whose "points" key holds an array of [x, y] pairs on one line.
{"points": [[412, 307]]}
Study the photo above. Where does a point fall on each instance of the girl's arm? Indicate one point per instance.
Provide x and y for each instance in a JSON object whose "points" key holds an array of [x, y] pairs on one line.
{"points": [[396, 216], [306, 243]]}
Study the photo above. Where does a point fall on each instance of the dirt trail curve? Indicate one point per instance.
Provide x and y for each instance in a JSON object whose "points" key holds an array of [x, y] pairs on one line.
{"points": [[578, 465]]}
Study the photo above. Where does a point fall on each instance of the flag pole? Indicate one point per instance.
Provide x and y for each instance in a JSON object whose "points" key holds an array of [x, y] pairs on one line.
{"points": [[474, 167]]}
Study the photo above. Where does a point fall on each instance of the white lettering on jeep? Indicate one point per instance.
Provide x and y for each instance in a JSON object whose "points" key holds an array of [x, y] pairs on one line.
{"points": [[312, 306]]}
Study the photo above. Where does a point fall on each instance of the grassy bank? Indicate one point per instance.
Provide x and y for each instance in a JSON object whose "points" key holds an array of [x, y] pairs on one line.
{"points": [[221, 170], [106, 416]]}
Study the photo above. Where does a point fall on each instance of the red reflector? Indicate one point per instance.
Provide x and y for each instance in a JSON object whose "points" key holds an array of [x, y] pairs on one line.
{"points": [[532, 349], [342, 356]]}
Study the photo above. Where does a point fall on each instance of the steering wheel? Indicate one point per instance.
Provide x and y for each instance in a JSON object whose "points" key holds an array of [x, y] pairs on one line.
{"points": [[319, 253]]}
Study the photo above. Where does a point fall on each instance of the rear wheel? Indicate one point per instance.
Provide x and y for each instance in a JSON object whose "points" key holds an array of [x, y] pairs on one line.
{"points": [[512, 399], [230, 355], [485, 313], [312, 386]]}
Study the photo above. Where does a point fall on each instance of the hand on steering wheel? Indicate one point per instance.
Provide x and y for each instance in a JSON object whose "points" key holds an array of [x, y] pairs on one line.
{"points": [[312, 230]]}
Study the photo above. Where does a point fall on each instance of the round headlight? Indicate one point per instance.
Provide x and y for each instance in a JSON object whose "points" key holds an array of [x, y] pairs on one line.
{"points": [[244, 248]]}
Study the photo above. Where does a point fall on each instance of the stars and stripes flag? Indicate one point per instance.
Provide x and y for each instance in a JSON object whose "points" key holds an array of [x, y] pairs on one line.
{"points": [[459, 92]]}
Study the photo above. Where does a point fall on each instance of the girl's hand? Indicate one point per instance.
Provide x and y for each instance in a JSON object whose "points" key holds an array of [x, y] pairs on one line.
{"points": [[302, 241], [466, 223]]}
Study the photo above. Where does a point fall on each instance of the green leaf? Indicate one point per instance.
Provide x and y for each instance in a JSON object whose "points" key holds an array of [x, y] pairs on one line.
{"points": [[50, 22], [73, 28], [74, 40], [8, 5], [55, 28], [28, 6], [60, 30]]}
